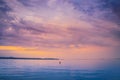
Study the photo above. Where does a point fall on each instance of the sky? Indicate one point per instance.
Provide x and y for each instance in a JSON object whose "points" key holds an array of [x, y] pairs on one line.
{"points": [[74, 29]]}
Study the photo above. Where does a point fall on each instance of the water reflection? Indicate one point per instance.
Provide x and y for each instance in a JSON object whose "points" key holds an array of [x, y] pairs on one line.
{"points": [[59, 70]]}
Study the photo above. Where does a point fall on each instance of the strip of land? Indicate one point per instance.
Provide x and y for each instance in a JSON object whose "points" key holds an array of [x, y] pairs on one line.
{"points": [[29, 58]]}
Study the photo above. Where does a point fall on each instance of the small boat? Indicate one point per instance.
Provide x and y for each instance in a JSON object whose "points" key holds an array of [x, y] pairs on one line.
{"points": [[59, 62]]}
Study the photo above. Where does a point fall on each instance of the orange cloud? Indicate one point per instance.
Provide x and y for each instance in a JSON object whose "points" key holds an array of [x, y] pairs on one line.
{"points": [[29, 52], [62, 53], [15, 48]]}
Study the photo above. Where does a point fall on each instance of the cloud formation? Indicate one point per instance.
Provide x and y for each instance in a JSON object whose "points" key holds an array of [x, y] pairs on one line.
{"points": [[59, 23]]}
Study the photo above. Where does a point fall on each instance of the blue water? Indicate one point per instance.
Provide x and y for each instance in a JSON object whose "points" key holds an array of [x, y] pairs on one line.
{"points": [[52, 70]]}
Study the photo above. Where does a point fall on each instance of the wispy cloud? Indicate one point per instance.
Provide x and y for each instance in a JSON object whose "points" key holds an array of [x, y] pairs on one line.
{"points": [[58, 23]]}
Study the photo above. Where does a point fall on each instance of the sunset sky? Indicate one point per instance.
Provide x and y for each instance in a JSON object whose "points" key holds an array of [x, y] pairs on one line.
{"points": [[74, 29]]}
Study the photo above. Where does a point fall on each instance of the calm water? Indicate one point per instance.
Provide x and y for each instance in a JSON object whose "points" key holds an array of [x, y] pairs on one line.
{"points": [[52, 70]]}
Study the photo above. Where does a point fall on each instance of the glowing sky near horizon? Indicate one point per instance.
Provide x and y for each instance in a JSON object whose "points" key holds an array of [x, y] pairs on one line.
{"points": [[60, 28]]}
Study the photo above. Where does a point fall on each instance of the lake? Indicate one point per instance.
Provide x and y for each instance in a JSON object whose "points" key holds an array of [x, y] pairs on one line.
{"points": [[88, 69]]}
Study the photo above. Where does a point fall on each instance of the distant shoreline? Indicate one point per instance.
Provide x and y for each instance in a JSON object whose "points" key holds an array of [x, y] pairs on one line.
{"points": [[29, 58]]}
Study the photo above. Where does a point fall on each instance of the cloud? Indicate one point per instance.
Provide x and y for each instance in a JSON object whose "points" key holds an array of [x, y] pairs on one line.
{"points": [[54, 23], [116, 34], [4, 18], [114, 5]]}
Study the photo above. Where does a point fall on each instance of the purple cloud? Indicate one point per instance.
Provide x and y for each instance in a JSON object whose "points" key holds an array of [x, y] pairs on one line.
{"points": [[57, 23]]}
